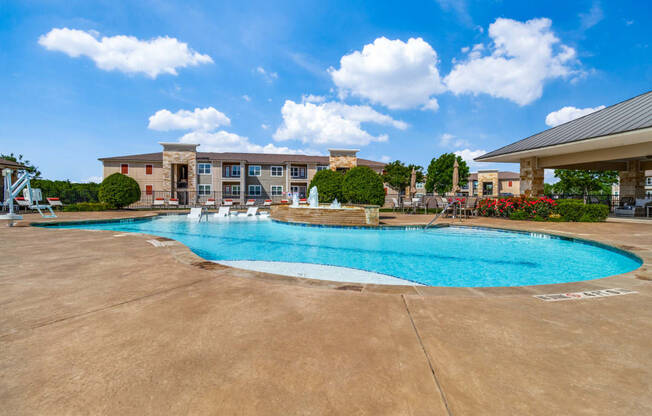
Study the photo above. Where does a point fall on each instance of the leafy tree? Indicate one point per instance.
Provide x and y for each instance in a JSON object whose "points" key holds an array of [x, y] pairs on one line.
{"points": [[362, 185], [548, 189], [397, 175], [584, 182], [329, 185], [440, 173], [67, 191], [28, 165], [119, 190]]}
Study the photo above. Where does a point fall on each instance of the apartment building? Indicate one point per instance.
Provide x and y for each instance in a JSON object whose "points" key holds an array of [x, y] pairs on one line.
{"points": [[492, 182], [181, 172]]}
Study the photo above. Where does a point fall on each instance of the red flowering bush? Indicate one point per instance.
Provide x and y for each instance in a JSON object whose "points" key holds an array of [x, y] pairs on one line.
{"points": [[520, 207]]}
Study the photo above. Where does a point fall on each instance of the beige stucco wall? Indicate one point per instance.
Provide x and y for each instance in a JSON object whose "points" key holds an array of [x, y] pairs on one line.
{"points": [[514, 189], [137, 172]]}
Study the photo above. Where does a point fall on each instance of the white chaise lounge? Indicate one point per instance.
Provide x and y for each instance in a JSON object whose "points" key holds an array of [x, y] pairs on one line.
{"points": [[195, 213], [158, 201], [210, 202], [251, 211], [54, 202], [224, 212], [173, 201]]}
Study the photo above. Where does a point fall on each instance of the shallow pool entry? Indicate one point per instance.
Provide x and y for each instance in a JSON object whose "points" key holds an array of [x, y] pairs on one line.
{"points": [[447, 256]]}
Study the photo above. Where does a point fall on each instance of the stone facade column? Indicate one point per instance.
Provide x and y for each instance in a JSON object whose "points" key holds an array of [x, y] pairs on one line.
{"points": [[487, 176], [632, 180], [217, 182], [342, 158], [287, 177], [531, 177]]}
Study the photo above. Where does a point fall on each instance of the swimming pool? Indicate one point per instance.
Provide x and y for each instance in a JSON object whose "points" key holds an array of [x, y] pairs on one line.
{"points": [[447, 256]]}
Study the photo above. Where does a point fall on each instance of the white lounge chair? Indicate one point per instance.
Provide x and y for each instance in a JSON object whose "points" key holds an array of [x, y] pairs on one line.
{"points": [[227, 202], [195, 213], [224, 212], [54, 202], [267, 203], [210, 202], [303, 201], [159, 201], [173, 201], [250, 202], [251, 212], [285, 201], [22, 202]]}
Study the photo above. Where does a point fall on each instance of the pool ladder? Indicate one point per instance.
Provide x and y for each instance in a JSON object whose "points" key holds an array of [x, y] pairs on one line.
{"points": [[439, 214]]}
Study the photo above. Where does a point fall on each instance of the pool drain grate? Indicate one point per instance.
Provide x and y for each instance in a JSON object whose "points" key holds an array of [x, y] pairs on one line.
{"points": [[589, 294]]}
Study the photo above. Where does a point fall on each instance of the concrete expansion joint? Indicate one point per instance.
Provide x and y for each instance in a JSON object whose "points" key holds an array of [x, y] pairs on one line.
{"points": [[423, 348]]}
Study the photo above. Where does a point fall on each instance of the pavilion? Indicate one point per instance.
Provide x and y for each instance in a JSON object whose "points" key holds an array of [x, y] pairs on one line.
{"points": [[618, 138]]}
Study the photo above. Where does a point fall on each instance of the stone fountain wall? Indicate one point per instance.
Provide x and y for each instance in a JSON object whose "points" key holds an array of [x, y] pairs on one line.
{"points": [[358, 216]]}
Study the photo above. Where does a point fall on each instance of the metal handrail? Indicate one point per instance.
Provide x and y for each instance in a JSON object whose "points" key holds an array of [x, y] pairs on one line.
{"points": [[439, 214]]}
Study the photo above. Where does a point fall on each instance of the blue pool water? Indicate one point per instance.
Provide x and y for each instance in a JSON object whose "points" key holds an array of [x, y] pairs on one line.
{"points": [[449, 256]]}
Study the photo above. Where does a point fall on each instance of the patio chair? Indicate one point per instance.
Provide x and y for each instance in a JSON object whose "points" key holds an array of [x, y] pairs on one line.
{"points": [[395, 204], [227, 202], [210, 202], [54, 202], [224, 212], [22, 202], [267, 203], [251, 211], [158, 201], [173, 201], [470, 206], [285, 201], [250, 202], [195, 213], [303, 201]]}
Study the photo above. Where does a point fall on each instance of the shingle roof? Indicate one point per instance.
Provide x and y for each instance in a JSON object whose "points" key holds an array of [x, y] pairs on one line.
{"points": [[632, 114], [266, 158]]}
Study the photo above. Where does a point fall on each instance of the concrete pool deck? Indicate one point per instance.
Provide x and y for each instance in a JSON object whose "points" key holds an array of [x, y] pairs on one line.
{"points": [[99, 322]]}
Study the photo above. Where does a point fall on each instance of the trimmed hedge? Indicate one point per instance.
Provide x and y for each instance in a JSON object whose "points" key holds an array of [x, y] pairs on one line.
{"points": [[87, 206], [329, 185], [543, 209], [119, 190], [576, 210], [362, 185]]}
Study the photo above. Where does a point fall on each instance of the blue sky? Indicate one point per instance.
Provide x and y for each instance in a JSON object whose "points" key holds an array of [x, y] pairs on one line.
{"points": [[409, 81]]}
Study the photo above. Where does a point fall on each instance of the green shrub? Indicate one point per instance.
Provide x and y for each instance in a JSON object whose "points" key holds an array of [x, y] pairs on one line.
{"points": [[519, 215], [87, 206], [362, 185], [595, 213], [118, 190], [570, 209], [329, 185]]}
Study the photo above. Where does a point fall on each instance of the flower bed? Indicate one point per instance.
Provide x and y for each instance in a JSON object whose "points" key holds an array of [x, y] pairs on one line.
{"points": [[542, 209]]}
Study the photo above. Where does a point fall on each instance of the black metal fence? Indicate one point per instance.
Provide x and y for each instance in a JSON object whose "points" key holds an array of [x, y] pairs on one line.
{"points": [[186, 199]]}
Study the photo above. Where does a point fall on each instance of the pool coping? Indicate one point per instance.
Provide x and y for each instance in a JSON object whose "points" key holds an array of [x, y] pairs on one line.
{"points": [[183, 254]]}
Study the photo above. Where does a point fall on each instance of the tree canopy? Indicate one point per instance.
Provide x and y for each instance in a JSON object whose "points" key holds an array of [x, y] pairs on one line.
{"points": [[584, 182], [119, 190], [29, 166], [329, 185], [440, 173], [397, 175], [362, 185]]}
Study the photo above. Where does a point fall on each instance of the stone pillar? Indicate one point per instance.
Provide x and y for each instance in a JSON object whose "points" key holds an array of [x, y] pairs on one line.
{"points": [[217, 182], [179, 154], [531, 177], [287, 177], [487, 176], [243, 183], [342, 158], [632, 180]]}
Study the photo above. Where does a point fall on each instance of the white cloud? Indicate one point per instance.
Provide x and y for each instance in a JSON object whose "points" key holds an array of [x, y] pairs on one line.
{"points": [[264, 126], [331, 123], [246, 98], [200, 119], [450, 140], [566, 114], [310, 98], [593, 17], [267, 76], [222, 141], [162, 55], [459, 7], [468, 155], [385, 158], [393, 73], [523, 57], [94, 179]]}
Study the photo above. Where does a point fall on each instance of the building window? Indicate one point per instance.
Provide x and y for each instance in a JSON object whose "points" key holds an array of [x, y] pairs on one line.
{"points": [[148, 169], [420, 185], [254, 190], [254, 170], [124, 169], [204, 168], [277, 190], [232, 171], [149, 189], [231, 190], [276, 171], [648, 181], [297, 172], [648, 194], [322, 167], [204, 189]]}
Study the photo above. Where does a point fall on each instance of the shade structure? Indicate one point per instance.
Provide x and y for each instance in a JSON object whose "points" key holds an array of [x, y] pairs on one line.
{"points": [[413, 183], [456, 178]]}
